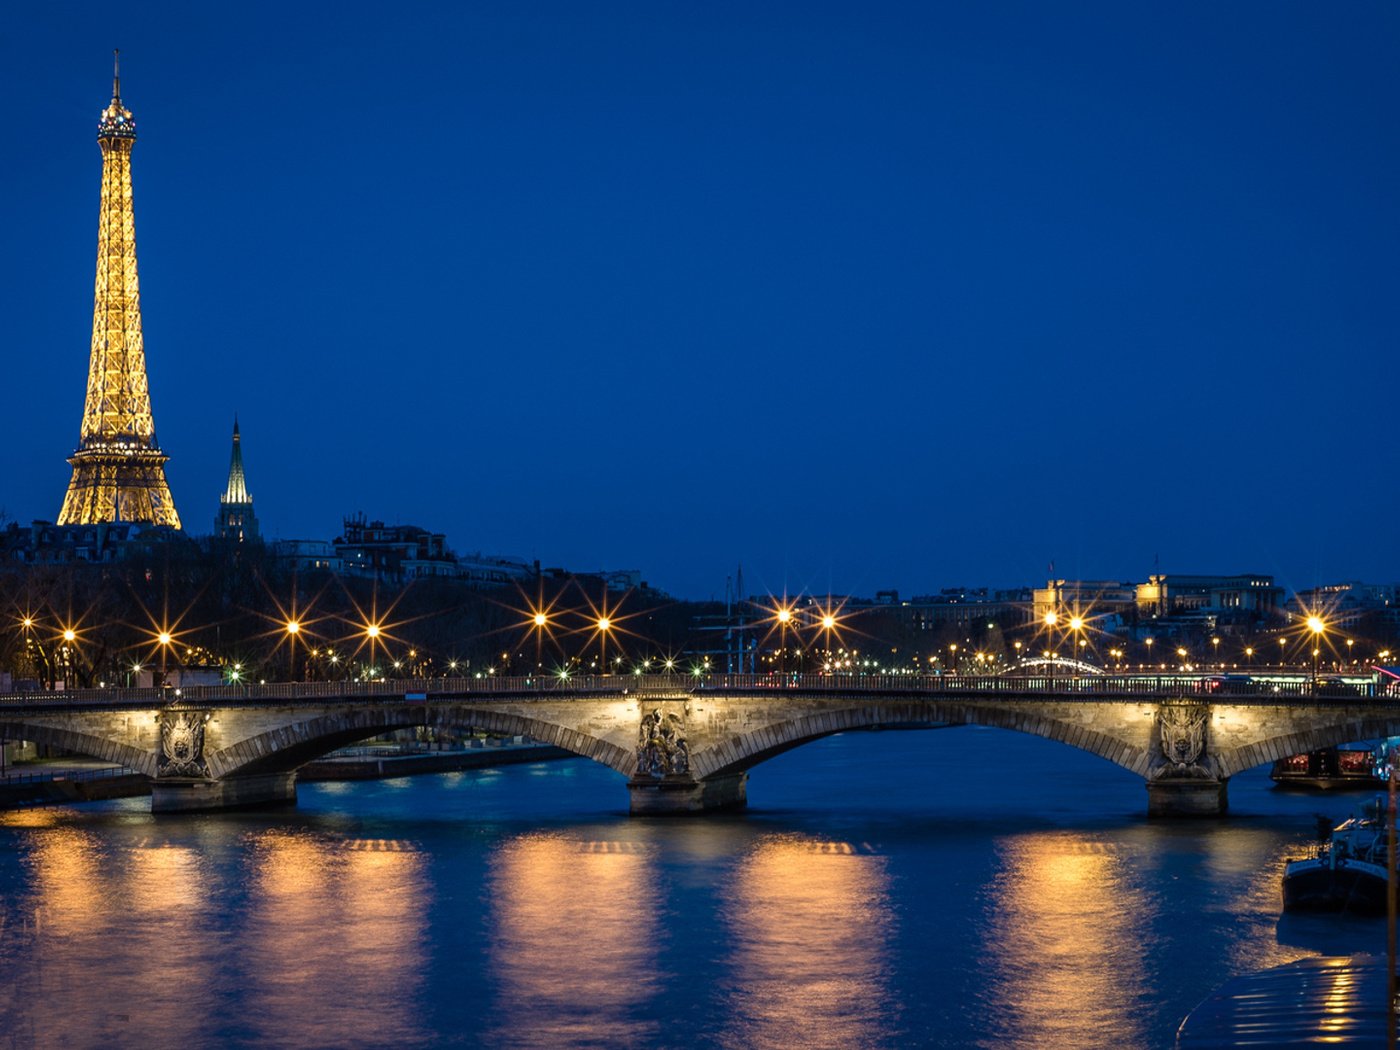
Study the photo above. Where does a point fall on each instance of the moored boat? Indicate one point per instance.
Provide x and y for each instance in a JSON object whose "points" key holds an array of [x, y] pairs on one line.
{"points": [[1348, 872], [1330, 768]]}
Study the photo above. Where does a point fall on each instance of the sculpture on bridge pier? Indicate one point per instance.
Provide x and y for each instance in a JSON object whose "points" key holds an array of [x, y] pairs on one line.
{"points": [[661, 748], [181, 745], [1181, 728], [1183, 777]]}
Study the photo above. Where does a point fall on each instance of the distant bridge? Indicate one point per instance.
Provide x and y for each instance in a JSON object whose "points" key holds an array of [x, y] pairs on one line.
{"points": [[686, 743]]}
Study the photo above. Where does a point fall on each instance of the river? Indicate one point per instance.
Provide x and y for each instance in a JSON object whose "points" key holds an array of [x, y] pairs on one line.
{"points": [[950, 888]]}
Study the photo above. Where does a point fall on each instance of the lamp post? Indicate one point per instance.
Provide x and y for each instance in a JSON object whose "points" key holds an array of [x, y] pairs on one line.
{"points": [[163, 639], [603, 625], [70, 640], [1076, 627], [828, 625], [1215, 645], [1051, 618], [784, 617], [1148, 642], [293, 629], [1316, 626]]}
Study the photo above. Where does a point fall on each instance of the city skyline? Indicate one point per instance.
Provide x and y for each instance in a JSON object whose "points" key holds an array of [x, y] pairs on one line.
{"points": [[857, 302]]}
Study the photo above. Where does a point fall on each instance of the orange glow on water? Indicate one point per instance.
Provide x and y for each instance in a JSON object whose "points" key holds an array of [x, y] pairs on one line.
{"points": [[1062, 948], [812, 925], [576, 936]]}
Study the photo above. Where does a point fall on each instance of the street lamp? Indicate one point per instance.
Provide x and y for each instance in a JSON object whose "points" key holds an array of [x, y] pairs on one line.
{"points": [[163, 639], [784, 617], [293, 629], [1215, 643], [604, 625], [1050, 619], [1148, 642], [1317, 627], [1076, 625], [828, 622]]}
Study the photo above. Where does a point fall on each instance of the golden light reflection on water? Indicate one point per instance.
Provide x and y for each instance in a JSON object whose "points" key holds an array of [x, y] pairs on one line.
{"points": [[811, 924], [1063, 960], [334, 941], [575, 942], [127, 921]]}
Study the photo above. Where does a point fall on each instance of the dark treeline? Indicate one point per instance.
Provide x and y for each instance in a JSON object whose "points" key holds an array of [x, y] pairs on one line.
{"points": [[223, 608], [230, 608]]}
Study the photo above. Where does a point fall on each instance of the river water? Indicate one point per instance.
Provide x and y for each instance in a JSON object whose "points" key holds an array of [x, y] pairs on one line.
{"points": [[949, 888]]}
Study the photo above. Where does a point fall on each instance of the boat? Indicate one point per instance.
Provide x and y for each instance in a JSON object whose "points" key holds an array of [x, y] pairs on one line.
{"points": [[1348, 767], [1348, 870]]}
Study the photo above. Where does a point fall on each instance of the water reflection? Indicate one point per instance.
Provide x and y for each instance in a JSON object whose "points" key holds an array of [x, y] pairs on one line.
{"points": [[1064, 957], [132, 917], [575, 943], [810, 926], [333, 949]]}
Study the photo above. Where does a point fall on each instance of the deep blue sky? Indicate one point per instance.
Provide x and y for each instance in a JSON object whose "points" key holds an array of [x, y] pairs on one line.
{"points": [[860, 295]]}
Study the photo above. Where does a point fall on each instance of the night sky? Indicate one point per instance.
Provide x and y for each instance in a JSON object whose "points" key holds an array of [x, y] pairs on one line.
{"points": [[860, 295]]}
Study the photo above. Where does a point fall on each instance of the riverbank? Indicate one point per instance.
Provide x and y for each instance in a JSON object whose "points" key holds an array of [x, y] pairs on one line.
{"points": [[383, 764], [44, 785], [68, 780]]}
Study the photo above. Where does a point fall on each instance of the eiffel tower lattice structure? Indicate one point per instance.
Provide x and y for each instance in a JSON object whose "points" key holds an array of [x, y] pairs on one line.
{"points": [[118, 467]]}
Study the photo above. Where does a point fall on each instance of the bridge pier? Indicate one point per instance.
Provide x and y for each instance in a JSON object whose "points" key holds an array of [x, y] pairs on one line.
{"points": [[1187, 797], [681, 795], [189, 795]]}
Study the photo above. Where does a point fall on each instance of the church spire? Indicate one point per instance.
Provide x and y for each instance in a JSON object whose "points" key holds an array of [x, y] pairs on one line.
{"points": [[237, 490], [236, 520]]}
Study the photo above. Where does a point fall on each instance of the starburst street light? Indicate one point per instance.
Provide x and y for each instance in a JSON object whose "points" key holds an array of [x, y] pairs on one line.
{"points": [[1318, 627], [164, 639]]}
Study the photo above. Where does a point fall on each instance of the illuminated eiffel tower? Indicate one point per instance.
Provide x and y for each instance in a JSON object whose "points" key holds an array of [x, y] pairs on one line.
{"points": [[118, 468]]}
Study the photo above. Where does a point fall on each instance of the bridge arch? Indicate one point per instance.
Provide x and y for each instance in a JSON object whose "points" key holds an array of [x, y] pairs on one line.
{"points": [[1271, 749], [1058, 665], [283, 749], [61, 738], [741, 753]]}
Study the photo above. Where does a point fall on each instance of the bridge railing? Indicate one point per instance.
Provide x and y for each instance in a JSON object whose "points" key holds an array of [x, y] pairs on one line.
{"points": [[1218, 687]]}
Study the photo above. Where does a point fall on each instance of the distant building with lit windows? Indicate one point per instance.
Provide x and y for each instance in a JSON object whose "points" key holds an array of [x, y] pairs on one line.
{"points": [[399, 553], [1166, 595]]}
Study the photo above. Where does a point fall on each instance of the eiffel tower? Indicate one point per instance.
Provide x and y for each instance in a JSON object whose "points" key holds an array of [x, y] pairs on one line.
{"points": [[118, 468]]}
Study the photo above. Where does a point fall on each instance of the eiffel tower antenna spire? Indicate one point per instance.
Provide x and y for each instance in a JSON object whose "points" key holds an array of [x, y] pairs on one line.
{"points": [[118, 467], [116, 75]]}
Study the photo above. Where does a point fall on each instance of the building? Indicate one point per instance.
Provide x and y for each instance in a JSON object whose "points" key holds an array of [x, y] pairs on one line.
{"points": [[399, 553], [393, 553], [236, 521], [118, 467], [1101, 599], [961, 606], [308, 555], [1248, 596], [44, 543], [1345, 605]]}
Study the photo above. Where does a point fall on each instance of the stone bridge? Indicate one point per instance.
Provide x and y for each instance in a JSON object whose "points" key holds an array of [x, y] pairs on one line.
{"points": [[687, 745]]}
